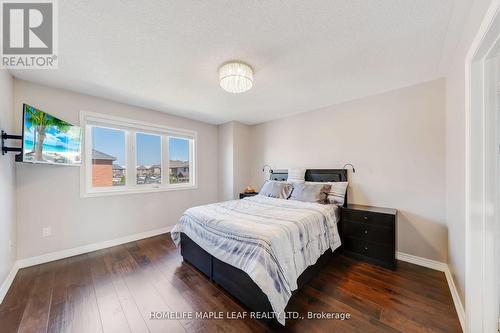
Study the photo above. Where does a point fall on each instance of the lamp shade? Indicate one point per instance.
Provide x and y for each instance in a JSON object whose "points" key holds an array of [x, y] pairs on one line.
{"points": [[236, 77]]}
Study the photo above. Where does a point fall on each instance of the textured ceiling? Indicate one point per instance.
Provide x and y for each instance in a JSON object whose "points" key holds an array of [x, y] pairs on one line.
{"points": [[306, 55]]}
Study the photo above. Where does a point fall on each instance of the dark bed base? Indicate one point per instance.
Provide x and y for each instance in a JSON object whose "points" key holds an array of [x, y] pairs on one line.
{"points": [[235, 281]]}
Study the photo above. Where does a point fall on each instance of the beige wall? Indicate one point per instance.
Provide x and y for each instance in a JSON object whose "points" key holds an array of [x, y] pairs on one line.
{"points": [[242, 145], [7, 181], [49, 195], [455, 146], [395, 140], [226, 155], [235, 152]]}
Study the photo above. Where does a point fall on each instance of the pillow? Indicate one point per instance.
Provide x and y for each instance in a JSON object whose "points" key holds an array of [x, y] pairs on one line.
{"points": [[296, 175], [336, 195], [276, 189], [311, 192]]}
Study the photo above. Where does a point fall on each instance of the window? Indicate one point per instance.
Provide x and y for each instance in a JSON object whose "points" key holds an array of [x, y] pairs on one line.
{"points": [[127, 156], [108, 157], [148, 160], [179, 161]]}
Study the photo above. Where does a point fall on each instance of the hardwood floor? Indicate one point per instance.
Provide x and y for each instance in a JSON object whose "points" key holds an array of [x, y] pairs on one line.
{"points": [[116, 289]]}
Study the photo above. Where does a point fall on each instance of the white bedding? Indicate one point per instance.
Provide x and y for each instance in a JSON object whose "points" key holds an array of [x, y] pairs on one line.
{"points": [[272, 240]]}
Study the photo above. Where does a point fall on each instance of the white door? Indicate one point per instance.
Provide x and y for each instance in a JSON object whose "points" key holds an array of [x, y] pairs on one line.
{"points": [[491, 273], [483, 180]]}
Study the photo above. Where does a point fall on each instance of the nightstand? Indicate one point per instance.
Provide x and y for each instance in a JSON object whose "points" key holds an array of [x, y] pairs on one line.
{"points": [[369, 233], [244, 195]]}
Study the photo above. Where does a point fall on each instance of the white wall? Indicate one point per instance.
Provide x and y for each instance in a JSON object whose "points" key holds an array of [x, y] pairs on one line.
{"points": [[7, 181], [455, 146], [49, 195], [395, 140]]}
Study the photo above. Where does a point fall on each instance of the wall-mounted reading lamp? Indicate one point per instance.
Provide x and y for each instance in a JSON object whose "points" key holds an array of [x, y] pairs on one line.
{"points": [[267, 166], [6, 149], [352, 166]]}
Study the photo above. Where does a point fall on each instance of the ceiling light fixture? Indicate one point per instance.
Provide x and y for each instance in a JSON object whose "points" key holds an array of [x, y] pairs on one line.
{"points": [[236, 77]]}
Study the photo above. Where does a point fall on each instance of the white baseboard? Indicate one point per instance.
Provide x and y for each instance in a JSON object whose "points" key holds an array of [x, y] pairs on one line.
{"points": [[433, 264], [32, 261], [443, 267], [456, 298], [8, 281]]}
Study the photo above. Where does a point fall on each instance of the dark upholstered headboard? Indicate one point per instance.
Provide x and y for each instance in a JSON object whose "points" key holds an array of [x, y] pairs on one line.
{"points": [[316, 175]]}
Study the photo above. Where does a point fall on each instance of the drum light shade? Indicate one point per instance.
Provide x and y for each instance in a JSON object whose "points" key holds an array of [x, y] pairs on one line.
{"points": [[236, 77]]}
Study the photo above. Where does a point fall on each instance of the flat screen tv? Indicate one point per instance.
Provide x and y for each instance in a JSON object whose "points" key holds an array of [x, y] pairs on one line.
{"points": [[49, 140]]}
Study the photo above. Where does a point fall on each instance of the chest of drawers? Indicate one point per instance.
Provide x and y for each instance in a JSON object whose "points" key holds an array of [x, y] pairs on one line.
{"points": [[369, 234]]}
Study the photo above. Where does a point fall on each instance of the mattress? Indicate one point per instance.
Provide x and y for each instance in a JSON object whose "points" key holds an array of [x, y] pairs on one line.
{"points": [[272, 240]]}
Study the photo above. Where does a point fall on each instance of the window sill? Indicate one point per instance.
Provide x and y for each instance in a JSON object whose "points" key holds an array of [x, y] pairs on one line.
{"points": [[106, 193]]}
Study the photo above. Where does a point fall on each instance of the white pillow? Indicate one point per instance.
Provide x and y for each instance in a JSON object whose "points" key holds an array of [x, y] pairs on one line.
{"points": [[296, 175], [337, 192], [276, 189]]}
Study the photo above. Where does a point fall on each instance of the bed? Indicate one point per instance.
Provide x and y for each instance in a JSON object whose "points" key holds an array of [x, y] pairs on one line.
{"points": [[260, 249]]}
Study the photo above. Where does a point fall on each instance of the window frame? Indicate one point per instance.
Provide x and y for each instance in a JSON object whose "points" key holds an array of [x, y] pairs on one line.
{"points": [[131, 128]]}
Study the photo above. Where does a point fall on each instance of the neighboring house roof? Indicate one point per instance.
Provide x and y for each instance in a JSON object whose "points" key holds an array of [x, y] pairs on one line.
{"points": [[118, 167], [142, 167], [179, 164], [99, 155], [156, 166]]}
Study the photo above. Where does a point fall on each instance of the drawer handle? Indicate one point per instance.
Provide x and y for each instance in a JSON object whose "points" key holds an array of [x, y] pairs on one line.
{"points": [[366, 232], [365, 217], [366, 248]]}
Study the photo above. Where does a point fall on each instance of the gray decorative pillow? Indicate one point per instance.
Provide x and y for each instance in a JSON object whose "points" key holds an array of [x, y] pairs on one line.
{"points": [[276, 189], [308, 192], [337, 192]]}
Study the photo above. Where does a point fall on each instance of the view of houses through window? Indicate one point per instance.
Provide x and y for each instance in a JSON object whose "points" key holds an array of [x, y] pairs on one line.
{"points": [[148, 161], [109, 158], [179, 160]]}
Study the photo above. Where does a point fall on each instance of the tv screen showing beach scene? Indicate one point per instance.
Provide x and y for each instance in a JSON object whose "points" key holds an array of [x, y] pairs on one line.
{"points": [[47, 139]]}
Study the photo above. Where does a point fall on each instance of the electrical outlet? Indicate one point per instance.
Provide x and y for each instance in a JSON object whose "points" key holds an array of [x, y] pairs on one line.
{"points": [[46, 232]]}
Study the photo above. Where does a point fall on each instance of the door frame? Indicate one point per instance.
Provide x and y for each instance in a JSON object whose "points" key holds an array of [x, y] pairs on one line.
{"points": [[480, 208]]}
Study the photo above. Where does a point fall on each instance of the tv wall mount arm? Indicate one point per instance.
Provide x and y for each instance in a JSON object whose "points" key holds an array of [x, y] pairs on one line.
{"points": [[6, 149]]}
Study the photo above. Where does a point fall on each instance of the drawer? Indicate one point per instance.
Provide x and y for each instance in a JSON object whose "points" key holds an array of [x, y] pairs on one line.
{"points": [[368, 232], [384, 220], [368, 249]]}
